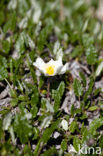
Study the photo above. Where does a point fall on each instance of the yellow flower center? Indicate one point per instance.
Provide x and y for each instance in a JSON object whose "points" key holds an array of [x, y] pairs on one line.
{"points": [[50, 70]]}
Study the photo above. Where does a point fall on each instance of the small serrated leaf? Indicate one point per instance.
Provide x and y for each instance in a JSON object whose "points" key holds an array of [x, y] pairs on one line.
{"points": [[83, 78], [78, 88], [22, 126], [57, 95], [88, 92], [23, 41], [73, 126], [91, 55], [76, 143], [3, 73], [95, 124], [46, 135], [87, 40], [64, 144]]}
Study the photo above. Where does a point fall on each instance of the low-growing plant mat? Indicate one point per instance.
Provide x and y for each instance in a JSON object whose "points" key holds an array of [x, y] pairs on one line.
{"points": [[55, 115]]}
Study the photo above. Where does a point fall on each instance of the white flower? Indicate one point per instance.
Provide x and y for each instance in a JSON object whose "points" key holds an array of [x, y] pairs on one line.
{"points": [[64, 125], [52, 67]]}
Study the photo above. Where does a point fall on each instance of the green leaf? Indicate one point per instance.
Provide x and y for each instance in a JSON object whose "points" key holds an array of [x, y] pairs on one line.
{"points": [[91, 55], [3, 73], [22, 42], [36, 133], [73, 127], [77, 52], [11, 23], [97, 91], [51, 151], [85, 134], [3, 62], [95, 124], [2, 17], [46, 105], [76, 143], [101, 142], [20, 47], [1, 130], [72, 109], [23, 6], [87, 40], [42, 40], [90, 89], [32, 71], [6, 46], [64, 144], [29, 42], [93, 108], [35, 96], [48, 131], [46, 136], [57, 95], [34, 101], [34, 111], [22, 126], [78, 90], [83, 78], [27, 151]]}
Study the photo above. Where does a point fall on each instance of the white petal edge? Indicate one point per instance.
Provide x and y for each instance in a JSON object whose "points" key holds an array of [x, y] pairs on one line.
{"points": [[64, 69], [59, 68], [40, 64]]}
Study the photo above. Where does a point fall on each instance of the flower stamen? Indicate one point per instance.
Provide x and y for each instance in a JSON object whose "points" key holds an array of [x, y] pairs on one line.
{"points": [[50, 70]]}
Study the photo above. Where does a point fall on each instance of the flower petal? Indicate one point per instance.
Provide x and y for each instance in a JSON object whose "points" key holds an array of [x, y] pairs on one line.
{"points": [[64, 69], [40, 64], [58, 65]]}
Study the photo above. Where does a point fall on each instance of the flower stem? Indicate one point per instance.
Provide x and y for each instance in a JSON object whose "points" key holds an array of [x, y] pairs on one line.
{"points": [[48, 88], [61, 10]]}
